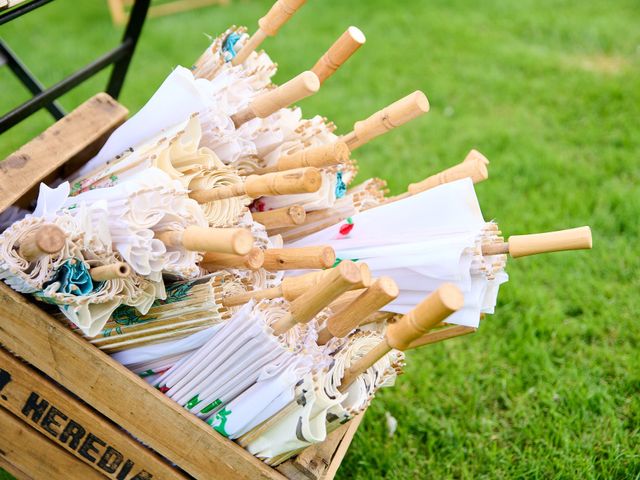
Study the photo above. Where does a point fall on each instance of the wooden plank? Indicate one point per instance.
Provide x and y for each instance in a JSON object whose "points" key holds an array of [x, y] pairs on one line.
{"points": [[12, 469], [316, 461], [73, 426], [35, 456], [77, 135], [122, 396], [339, 454]]}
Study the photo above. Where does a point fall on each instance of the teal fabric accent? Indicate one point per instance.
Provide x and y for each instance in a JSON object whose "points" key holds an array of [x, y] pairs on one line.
{"points": [[74, 278], [341, 187], [228, 46]]}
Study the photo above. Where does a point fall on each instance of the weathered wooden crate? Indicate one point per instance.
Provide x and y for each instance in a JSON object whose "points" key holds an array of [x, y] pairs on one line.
{"points": [[74, 413]]}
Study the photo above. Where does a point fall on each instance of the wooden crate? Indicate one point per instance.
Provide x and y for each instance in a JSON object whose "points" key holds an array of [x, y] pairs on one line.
{"points": [[72, 411]]}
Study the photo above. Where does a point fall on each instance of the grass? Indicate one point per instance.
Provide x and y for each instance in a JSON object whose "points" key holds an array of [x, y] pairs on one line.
{"points": [[549, 91]]}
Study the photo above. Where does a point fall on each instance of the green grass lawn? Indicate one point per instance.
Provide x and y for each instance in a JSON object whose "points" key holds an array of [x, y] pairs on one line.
{"points": [[549, 91]]}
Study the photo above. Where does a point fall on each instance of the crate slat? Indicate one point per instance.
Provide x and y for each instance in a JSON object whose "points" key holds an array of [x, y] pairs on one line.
{"points": [[68, 422], [33, 456], [122, 396], [68, 142]]}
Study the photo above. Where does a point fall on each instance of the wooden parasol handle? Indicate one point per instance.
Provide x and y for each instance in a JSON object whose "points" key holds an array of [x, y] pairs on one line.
{"points": [[281, 217], [348, 43], [307, 305], [319, 157], [299, 87], [523, 245], [436, 336], [396, 114], [276, 259], [292, 287], [301, 180], [476, 155], [45, 240], [382, 291], [473, 167], [213, 261], [110, 272], [237, 241], [427, 314], [279, 14]]}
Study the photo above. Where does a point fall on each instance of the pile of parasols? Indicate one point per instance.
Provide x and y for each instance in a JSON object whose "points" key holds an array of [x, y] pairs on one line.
{"points": [[219, 247]]}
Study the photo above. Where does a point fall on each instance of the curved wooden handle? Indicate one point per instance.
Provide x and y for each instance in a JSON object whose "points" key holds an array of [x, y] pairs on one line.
{"points": [[299, 87], [281, 217], [571, 239], [45, 240], [110, 272], [276, 259], [319, 157], [348, 43], [426, 315], [474, 168], [300, 180], [382, 291], [216, 261], [279, 14], [238, 241], [396, 114]]}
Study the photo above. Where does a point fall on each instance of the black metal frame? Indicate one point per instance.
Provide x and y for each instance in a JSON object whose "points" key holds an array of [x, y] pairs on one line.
{"points": [[120, 57]]}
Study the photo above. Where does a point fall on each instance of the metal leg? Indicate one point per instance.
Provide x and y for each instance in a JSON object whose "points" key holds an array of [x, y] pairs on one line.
{"points": [[28, 79], [130, 39]]}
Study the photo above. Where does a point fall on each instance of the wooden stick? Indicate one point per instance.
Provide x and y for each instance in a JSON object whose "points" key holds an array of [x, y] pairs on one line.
{"points": [[276, 259], [45, 240], [307, 305], [288, 93], [396, 114], [319, 157], [281, 217], [218, 261], [474, 168], [381, 292], [523, 245], [348, 43], [426, 315], [292, 287], [110, 272], [238, 241], [301, 180], [279, 14], [440, 335]]}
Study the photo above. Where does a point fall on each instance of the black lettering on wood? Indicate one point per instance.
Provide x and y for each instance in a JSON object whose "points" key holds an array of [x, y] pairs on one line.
{"points": [[111, 460], [143, 475], [50, 419], [34, 408], [126, 468], [75, 432], [5, 378], [88, 447]]}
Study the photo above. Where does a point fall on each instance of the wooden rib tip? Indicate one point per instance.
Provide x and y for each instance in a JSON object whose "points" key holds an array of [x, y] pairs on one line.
{"points": [[255, 259], [328, 257], [50, 239], [309, 81], [387, 286], [297, 214], [420, 100], [349, 271], [365, 272], [356, 35], [450, 296], [242, 242]]}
